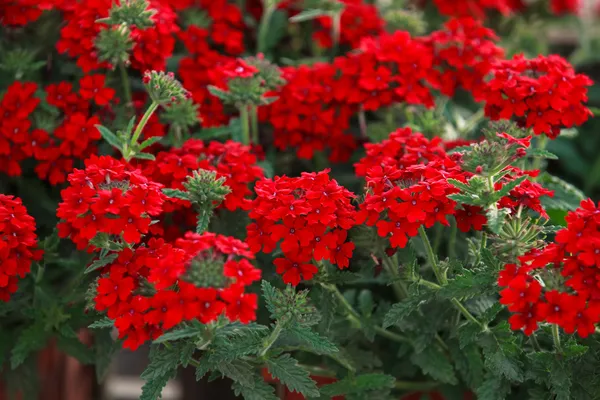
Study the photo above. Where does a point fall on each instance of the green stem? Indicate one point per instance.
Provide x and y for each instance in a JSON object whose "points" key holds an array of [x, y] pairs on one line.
{"points": [[431, 257], [535, 343], [254, 118], [263, 29], [142, 123], [452, 239], [362, 122], [335, 33], [429, 284], [271, 339], [245, 120], [126, 85], [355, 317], [556, 338], [442, 280]]}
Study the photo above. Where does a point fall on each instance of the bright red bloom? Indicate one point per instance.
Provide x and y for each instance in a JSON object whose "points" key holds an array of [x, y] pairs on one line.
{"points": [[18, 244], [91, 87]]}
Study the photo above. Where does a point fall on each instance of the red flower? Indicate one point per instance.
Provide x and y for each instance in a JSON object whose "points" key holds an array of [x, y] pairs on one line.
{"points": [[240, 306], [91, 87], [294, 271]]}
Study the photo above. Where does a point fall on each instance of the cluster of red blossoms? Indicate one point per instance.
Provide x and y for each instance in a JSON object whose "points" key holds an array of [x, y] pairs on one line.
{"points": [[152, 46], [150, 289], [231, 160], [479, 8], [310, 215], [572, 302], [73, 138], [18, 244], [108, 198], [544, 94]]}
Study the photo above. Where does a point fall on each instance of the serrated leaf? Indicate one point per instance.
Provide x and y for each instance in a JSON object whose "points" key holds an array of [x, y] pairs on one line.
{"points": [[270, 296], [493, 388], [358, 384], [560, 380], [495, 218], [311, 339], [103, 323], [505, 364], [30, 339], [461, 185], [468, 333], [105, 348], [238, 371], [468, 363], [467, 285], [101, 262], [260, 390], [110, 137], [472, 200], [152, 389], [192, 331], [307, 15], [176, 194], [402, 310], [508, 187], [163, 360], [434, 363], [287, 371], [203, 220]]}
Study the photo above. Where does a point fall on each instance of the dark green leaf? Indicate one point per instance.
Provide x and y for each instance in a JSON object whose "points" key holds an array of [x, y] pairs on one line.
{"points": [[402, 310], [176, 194], [149, 142], [144, 156], [238, 371], [30, 339], [103, 323], [535, 152], [260, 390], [76, 349], [101, 262], [152, 389], [493, 388], [286, 369], [192, 331], [315, 342], [358, 384], [110, 137], [307, 15], [434, 363]]}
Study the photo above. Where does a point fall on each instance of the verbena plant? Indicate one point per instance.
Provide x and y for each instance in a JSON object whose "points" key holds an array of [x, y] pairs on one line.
{"points": [[317, 191]]}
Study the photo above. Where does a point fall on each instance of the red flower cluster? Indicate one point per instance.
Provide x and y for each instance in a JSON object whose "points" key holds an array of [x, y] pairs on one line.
{"points": [[464, 53], [544, 93], [22, 12], [107, 198], [401, 149], [400, 201], [476, 8], [527, 194], [18, 243], [199, 278], [74, 137], [358, 20], [231, 160], [152, 45], [576, 257], [310, 215]]}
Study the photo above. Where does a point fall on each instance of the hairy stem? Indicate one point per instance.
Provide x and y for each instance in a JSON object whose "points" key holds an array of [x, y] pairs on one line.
{"points": [[254, 118], [442, 280], [126, 85], [245, 120], [335, 33], [556, 338], [355, 317], [271, 339], [397, 284], [142, 123]]}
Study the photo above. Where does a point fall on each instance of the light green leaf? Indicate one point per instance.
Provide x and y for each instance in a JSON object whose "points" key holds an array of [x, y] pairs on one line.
{"points": [[101, 262], [110, 137]]}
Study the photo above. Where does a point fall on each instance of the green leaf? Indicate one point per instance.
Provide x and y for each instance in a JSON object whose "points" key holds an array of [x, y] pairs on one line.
{"points": [[163, 360], [311, 339], [472, 200], [560, 380], [468, 363], [260, 390], [203, 220], [495, 218], [467, 285], [103, 323], [307, 15], [30, 339], [286, 369], [462, 186], [493, 388], [105, 348], [110, 137], [152, 389], [101, 262], [402, 310], [192, 331], [176, 194], [238, 371], [358, 384], [270, 296], [508, 187], [144, 156], [149, 142], [566, 196], [535, 152], [434, 363]]}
